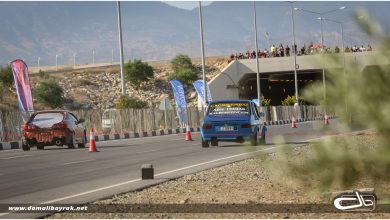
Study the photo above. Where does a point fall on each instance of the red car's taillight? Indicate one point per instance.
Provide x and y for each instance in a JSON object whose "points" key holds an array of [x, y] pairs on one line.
{"points": [[246, 126], [28, 127], [60, 125], [207, 126]]}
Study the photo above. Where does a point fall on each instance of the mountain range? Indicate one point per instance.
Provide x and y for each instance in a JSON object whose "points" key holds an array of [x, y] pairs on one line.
{"points": [[157, 31]]}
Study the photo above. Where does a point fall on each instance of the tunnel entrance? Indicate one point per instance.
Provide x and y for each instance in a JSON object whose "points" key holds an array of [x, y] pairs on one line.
{"points": [[276, 86]]}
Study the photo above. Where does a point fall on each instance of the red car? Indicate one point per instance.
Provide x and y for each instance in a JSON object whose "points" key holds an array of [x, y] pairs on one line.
{"points": [[53, 127]]}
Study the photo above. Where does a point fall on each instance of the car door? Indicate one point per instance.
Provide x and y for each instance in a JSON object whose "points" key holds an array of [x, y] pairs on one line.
{"points": [[77, 127]]}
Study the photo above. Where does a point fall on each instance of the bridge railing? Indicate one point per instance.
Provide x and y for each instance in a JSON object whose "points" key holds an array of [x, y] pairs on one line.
{"points": [[139, 120]]}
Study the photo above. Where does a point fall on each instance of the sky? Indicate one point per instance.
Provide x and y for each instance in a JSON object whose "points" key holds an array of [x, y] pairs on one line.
{"points": [[188, 5], [155, 31]]}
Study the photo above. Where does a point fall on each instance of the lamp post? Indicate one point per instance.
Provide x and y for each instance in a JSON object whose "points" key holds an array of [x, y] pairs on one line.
{"points": [[93, 56], [267, 35], [295, 55], [202, 51], [321, 14], [257, 55], [74, 60], [56, 62], [342, 36], [39, 65], [121, 47], [112, 55]]}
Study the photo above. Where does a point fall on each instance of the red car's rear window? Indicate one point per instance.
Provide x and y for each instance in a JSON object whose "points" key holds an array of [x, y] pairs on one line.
{"points": [[47, 119]]}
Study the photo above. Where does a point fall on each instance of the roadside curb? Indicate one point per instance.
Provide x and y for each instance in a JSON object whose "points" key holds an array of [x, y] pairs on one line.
{"points": [[130, 135], [284, 122], [109, 137]]}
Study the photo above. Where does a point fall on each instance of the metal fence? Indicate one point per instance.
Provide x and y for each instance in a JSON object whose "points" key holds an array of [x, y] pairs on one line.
{"points": [[139, 120]]}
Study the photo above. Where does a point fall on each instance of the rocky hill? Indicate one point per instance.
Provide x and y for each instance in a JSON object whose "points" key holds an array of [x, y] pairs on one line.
{"points": [[100, 88]]}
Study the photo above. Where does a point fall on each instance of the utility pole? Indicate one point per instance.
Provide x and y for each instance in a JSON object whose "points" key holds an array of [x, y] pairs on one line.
{"points": [[56, 62], [121, 47], [74, 60], [295, 56], [202, 51], [257, 55]]}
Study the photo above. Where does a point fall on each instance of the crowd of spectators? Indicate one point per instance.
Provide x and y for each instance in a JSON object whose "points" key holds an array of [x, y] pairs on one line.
{"points": [[281, 51]]}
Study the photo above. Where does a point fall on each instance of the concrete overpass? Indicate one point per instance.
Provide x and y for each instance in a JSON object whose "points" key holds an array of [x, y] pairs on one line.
{"points": [[238, 79]]}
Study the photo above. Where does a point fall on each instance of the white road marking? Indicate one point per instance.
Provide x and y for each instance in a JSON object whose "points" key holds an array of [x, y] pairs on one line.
{"points": [[148, 151], [135, 180], [160, 174], [15, 157], [216, 160], [75, 162], [196, 144]]}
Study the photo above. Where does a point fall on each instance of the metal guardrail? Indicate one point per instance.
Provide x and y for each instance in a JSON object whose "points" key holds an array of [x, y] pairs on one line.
{"points": [[140, 120]]}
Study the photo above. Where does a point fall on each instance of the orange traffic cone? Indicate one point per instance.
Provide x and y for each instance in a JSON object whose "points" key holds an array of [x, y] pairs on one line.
{"points": [[326, 120], [293, 124], [92, 145], [188, 133]]}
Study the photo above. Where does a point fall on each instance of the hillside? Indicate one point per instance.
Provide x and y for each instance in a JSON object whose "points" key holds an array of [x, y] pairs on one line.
{"points": [[99, 87], [153, 30]]}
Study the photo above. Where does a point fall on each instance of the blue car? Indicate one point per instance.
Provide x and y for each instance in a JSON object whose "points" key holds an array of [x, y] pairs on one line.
{"points": [[231, 121]]}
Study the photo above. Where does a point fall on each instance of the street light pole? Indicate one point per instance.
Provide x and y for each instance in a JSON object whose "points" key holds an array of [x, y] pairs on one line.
{"points": [[112, 55], [56, 62], [257, 55], [39, 65], [322, 60], [295, 56], [267, 35], [202, 51], [121, 47], [93, 56], [322, 39], [74, 60]]}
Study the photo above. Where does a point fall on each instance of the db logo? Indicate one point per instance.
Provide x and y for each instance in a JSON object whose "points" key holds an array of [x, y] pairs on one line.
{"points": [[355, 201]]}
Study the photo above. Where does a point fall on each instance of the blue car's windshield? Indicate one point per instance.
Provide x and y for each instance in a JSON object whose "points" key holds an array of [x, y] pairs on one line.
{"points": [[229, 109]]}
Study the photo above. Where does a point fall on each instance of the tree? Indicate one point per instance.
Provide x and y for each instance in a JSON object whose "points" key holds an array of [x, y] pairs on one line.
{"points": [[130, 102], [186, 76], [48, 92], [360, 100], [183, 70], [137, 71], [180, 62], [6, 76]]}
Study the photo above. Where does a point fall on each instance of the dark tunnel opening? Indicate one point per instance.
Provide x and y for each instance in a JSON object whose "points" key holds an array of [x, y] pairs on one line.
{"points": [[276, 87]]}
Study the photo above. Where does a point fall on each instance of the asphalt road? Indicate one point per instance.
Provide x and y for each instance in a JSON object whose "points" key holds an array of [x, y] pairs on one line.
{"points": [[65, 176]]}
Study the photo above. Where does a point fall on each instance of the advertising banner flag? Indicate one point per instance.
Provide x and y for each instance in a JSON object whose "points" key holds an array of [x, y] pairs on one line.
{"points": [[198, 84], [180, 99], [23, 87]]}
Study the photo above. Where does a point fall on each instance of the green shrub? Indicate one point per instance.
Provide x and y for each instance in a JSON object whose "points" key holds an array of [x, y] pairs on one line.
{"points": [[360, 98], [186, 76], [130, 102], [183, 70], [43, 75], [265, 102], [289, 100], [49, 93], [6, 76], [137, 71], [181, 61], [2, 89]]}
